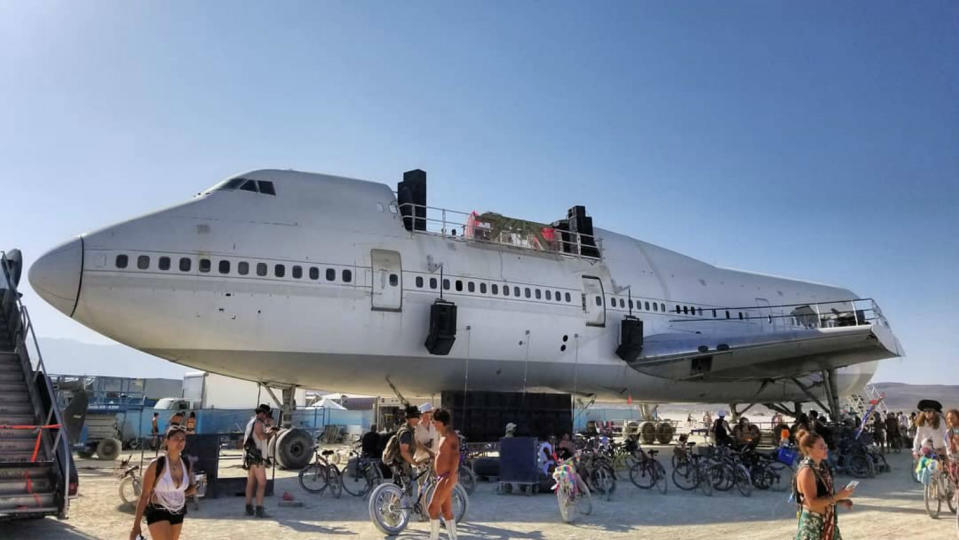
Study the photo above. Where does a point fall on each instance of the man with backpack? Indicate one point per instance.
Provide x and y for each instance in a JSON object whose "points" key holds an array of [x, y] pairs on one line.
{"points": [[400, 448]]}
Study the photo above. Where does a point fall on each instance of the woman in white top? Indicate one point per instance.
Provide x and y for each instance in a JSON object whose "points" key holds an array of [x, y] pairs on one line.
{"points": [[930, 425], [163, 499]]}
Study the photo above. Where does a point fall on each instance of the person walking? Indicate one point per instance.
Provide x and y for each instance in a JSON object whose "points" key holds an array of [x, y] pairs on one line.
{"points": [[256, 439], [446, 467], [878, 429], [155, 432], [166, 485], [813, 490]]}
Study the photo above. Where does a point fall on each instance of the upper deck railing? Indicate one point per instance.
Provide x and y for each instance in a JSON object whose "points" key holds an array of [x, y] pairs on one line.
{"points": [[496, 229], [830, 314]]}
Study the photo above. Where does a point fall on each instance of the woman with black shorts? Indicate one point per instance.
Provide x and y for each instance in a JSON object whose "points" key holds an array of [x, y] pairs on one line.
{"points": [[166, 485]]}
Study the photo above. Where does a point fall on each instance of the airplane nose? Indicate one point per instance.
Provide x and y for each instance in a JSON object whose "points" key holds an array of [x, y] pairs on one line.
{"points": [[56, 275]]}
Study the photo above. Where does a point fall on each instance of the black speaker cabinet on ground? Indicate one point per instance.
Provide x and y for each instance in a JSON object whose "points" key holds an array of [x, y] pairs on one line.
{"points": [[630, 339], [442, 327]]}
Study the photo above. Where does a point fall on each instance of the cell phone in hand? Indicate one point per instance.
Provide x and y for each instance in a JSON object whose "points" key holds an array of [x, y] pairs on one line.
{"points": [[852, 485]]}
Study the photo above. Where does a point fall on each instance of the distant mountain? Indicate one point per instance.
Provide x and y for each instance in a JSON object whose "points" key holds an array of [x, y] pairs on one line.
{"points": [[904, 397], [67, 356]]}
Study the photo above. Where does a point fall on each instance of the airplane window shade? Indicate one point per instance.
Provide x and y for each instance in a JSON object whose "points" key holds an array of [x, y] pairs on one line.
{"points": [[419, 282], [314, 273], [279, 270], [243, 268], [185, 264], [205, 265], [297, 272], [164, 263], [261, 269], [249, 185], [266, 187], [121, 261], [330, 274], [143, 262], [446, 284], [549, 294], [347, 276], [528, 293], [224, 267], [470, 286]]}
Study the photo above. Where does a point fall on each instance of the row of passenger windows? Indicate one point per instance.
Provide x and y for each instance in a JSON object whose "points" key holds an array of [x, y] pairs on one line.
{"points": [[495, 289], [680, 309], [243, 268]]}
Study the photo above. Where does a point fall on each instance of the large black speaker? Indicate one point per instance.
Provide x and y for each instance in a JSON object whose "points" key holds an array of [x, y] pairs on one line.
{"points": [[411, 196], [582, 225], [442, 327], [630, 339]]}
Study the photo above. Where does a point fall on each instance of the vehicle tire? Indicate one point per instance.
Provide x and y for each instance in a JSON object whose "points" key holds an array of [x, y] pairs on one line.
{"points": [[294, 449], [460, 501], [665, 432], [388, 509], [467, 479], [129, 489], [684, 477], [314, 478], [85, 453], [108, 449], [930, 496], [661, 477]]}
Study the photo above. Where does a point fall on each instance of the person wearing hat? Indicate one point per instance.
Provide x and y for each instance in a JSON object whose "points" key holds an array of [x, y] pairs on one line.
{"points": [[256, 439], [721, 430], [930, 425], [425, 435]]}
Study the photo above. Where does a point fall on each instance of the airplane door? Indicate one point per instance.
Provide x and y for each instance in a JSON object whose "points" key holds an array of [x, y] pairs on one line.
{"points": [[387, 280], [594, 301]]}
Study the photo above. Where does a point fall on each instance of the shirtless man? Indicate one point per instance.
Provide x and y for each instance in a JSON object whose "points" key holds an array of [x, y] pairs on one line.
{"points": [[446, 466]]}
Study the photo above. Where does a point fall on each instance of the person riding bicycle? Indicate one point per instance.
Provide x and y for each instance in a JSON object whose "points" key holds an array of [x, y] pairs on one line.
{"points": [[930, 425]]}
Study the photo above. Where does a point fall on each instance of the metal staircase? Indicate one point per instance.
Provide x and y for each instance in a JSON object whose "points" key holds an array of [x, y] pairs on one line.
{"points": [[860, 403], [36, 467]]}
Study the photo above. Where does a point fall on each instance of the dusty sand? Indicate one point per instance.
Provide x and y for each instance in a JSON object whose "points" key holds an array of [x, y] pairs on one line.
{"points": [[889, 506]]}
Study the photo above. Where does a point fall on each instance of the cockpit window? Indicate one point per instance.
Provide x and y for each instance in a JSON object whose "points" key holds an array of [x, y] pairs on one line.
{"points": [[264, 187]]}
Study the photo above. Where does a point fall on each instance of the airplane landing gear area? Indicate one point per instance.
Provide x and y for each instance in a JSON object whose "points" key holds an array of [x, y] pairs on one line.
{"points": [[482, 416]]}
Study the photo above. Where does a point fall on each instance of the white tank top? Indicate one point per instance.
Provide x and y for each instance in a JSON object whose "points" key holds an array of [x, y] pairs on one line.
{"points": [[260, 443], [166, 494]]}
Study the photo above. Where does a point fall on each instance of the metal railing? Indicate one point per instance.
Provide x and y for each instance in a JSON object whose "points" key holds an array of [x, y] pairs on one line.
{"points": [[817, 315], [481, 228], [40, 388]]}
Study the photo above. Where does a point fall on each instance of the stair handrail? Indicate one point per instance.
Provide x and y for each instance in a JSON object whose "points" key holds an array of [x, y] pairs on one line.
{"points": [[60, 445]]}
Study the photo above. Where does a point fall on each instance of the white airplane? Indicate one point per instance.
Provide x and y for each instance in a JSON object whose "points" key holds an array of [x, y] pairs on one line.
{"points": [[320, 281]]}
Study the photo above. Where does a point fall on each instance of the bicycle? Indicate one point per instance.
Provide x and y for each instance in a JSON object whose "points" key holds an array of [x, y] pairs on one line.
{"points": [[130, 483], [392, 503], [939, 487], [320, 474], [572, 494], [694, 472], [648, 472], [361, 474], [465, 472], [597, 472]]}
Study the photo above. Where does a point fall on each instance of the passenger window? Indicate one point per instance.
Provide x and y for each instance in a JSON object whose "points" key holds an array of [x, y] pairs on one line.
{"points": [[482, 288], [261, 269], [279, 270], [505, 290], [446, 284], [662, 307], [243, 268], [419, 282], [122, 261], [330, 274], [549, 294], [528, 293], [740, 315], [297, 272], [568, 298], [184, 264], [727, 313], [314, 273], [679, 309], [558, 296], [685, 310], [432, 282], [700, 311], [266, 187], [494, 288], [205, 265], [249, 185], [394, 280], [516, 292], [347, 276], [143, 262], [538, 294], [224, 267], [164, 263], [655, 306], [599, 300], [714, 313], [459, 285], [470, 286]]}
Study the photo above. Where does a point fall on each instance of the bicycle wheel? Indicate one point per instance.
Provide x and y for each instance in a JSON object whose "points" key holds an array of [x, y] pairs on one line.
{"points": [[661, 477], [762, 478], [685, 476], [930, 496], [388, 508], [723, 477], [860, 466], [780, 476], [704, 480], [460, 500], [130, 489], [743, 483], [564, 502], [641, 476], [584, 502], [467, 479], [335, 480], [603, 482], [355, 477], [314, 478]]}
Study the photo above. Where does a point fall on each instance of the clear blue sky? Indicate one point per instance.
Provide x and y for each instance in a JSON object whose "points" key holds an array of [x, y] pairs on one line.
{"points": [[812, 140]]}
